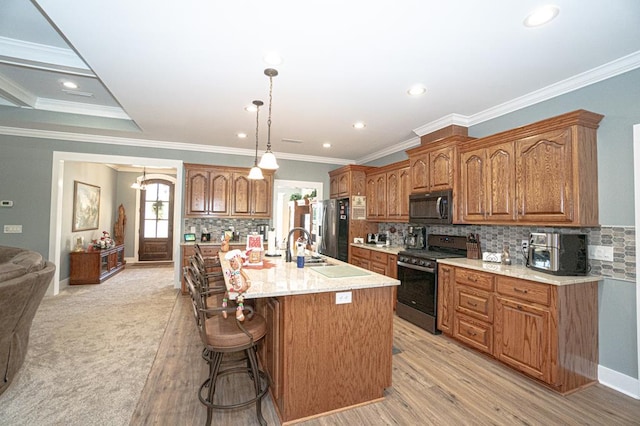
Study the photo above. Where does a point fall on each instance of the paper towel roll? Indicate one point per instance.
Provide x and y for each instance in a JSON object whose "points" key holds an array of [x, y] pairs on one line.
{"points": [[271, 242]]}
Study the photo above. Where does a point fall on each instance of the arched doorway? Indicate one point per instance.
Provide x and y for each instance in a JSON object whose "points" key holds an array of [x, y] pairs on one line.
{"points": [[155, 235]]}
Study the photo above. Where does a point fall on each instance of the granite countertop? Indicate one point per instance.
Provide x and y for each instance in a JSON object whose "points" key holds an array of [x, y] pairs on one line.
{"points": [[384, 249], [242, 242], [280, 278], [519, 271]]}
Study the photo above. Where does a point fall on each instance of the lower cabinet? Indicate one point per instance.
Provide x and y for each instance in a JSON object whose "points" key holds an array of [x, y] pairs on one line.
{"points": [[94, 267], [188, 251], [548, 332], [270, 349], [378, 262]]}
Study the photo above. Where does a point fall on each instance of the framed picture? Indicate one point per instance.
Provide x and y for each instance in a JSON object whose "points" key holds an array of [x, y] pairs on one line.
{"points": [[86, 206], [189, 238]]}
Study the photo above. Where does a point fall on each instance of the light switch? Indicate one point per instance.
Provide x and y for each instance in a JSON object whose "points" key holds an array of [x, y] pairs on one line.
{"points": [[601, 253]]}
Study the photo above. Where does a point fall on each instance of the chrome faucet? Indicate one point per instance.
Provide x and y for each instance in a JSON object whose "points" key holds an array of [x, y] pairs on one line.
{"points": [[287, 256]]}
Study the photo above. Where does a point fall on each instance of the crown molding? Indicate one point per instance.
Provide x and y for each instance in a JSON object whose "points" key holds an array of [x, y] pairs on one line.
{"points": [[447, 120], [402, 146], [16, 94], [81, 108], [41, 53], [178, 146], [587, 78]]}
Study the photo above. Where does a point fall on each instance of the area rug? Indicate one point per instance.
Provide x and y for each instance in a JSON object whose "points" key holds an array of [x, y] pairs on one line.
{"points": [[90, 351]]}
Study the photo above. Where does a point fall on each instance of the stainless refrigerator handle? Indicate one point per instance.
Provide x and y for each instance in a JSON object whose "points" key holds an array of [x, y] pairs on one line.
{"points": [[323, 232]]}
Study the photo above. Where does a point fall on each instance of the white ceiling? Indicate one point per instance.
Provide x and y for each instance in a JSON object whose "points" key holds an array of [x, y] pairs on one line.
{"points": [[178, 74]]}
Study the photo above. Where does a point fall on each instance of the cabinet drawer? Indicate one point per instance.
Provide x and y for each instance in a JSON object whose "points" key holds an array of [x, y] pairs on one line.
{"points": [[474, 279], [376, 256], [474, 302], [360, 252], [525, 290], [474, 333]]}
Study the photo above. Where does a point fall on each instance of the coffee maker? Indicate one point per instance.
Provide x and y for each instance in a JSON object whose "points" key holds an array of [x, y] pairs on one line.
{"points": [[416, 238]]}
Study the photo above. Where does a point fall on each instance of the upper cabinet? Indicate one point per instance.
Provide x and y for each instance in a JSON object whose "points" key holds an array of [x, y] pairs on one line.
{"points": [[545, 173], [347, 181], [387, 191], [433, 164], [214, 191]]}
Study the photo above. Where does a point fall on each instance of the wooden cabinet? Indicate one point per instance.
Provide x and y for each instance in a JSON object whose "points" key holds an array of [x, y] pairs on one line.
{"points": [[270, 351], [433, 165], [488, 184], [347, 181], [251, 197], [387, 190], [541, 174], [215, 191], [445, 299], [360, 257], [94, 267], [545, 331], [188, 251]]}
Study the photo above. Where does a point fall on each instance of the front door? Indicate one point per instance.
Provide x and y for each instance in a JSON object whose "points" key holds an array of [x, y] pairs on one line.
{"points": [[156, 221]]}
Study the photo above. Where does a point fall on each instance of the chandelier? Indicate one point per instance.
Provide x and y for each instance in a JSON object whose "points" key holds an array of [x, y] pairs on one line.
{"points": [[142, 185], [268, 160]]}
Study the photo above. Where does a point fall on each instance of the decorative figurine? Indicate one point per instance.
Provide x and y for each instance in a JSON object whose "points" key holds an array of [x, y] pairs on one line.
{"points": [[224, 247], [239, 281]]}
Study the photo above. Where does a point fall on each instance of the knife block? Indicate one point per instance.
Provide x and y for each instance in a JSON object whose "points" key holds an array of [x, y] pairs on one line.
{"points": [[473, 251]]}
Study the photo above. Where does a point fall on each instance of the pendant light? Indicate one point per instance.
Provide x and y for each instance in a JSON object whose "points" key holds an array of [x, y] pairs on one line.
{"points": [[268, 160], [256, 172], [142, 185]]}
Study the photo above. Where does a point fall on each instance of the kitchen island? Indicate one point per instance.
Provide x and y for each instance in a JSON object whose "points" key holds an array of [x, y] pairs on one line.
{"points": [[330, 335]]}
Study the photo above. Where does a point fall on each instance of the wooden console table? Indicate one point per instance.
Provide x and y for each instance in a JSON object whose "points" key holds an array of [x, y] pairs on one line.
{"points": [[94, 267]]}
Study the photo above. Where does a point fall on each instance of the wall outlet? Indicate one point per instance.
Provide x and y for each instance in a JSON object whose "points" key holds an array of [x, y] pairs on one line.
{"points": [[13, 229], [601, 253], [343, 297], [525, 245]]}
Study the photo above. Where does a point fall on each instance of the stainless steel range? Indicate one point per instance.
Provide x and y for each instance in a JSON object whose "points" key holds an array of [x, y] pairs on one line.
{"points": [[418, 275]]}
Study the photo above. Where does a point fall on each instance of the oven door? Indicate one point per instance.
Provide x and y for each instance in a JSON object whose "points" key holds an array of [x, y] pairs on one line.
{"points": [[417, 288]]}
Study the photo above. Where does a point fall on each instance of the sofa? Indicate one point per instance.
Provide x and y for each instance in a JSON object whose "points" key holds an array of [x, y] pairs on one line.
{"points": [[24, 278]]}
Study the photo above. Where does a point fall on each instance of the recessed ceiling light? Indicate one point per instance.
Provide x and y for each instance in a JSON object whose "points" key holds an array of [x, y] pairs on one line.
{"points": [[272, 58], [541, 16], [417, 90], [359, 125], [69, 84], [241, 135], [326, 145], [250, 108]]}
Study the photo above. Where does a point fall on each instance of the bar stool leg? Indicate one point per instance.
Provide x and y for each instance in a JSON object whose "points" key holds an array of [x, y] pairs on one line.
{"points": [[257, 382], [214, 367]]}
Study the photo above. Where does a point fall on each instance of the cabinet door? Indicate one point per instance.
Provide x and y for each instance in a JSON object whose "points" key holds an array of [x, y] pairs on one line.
{"points": [[241, 193], [344, 184], [372, 195], [420, 173], [472, 184], [544, 177], [197, 193], [522, 337], [270, 349], [398, 190], [381, 196], [261, 197], [441, 169], [333, 187], [220, 183], [500, 183], [445, 299]]}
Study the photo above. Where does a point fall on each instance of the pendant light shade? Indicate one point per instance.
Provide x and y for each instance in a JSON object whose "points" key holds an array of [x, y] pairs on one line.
{"points": [[268, 160], [255, 172]]}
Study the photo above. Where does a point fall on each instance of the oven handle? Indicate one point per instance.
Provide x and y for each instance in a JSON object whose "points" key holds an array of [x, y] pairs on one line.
{"points": [[419, 268]]}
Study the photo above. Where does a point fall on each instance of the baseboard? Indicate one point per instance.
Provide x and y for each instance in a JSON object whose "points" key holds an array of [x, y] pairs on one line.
{"points": [[627, 385]]}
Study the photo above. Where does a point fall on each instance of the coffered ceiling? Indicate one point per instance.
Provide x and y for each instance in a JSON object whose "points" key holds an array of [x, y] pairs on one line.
{"points": [[179, 74]]}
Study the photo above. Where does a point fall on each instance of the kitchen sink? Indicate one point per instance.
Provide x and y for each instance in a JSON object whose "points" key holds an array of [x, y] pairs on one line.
{"points": [[316, 261]]}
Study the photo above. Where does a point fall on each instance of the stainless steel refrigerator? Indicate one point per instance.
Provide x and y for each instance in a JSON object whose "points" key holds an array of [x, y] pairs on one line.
{"points": [[333, 228]]}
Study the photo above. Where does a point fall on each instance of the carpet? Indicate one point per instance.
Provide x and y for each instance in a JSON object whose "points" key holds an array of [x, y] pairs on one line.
{"points": [[90, 351]]}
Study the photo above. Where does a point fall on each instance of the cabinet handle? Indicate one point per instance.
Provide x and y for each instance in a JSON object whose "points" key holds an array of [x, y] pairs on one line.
{"points": [[519, 290], [471, 332], [519, 307], [472, 304], [472, 278]]}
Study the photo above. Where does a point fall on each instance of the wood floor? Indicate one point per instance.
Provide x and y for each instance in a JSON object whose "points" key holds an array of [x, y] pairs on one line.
{"points": [[435, 382]]}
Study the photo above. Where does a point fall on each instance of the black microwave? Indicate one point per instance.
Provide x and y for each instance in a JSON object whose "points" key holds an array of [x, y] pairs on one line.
{"points": [[433, 207]]}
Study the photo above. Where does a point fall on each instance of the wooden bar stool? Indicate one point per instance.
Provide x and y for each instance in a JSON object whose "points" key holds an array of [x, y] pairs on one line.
{"points": [[222, 337]]}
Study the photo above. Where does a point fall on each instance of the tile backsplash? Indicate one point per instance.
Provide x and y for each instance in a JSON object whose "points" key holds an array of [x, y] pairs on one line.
{"points": [[217, 226], [492, 238]]}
